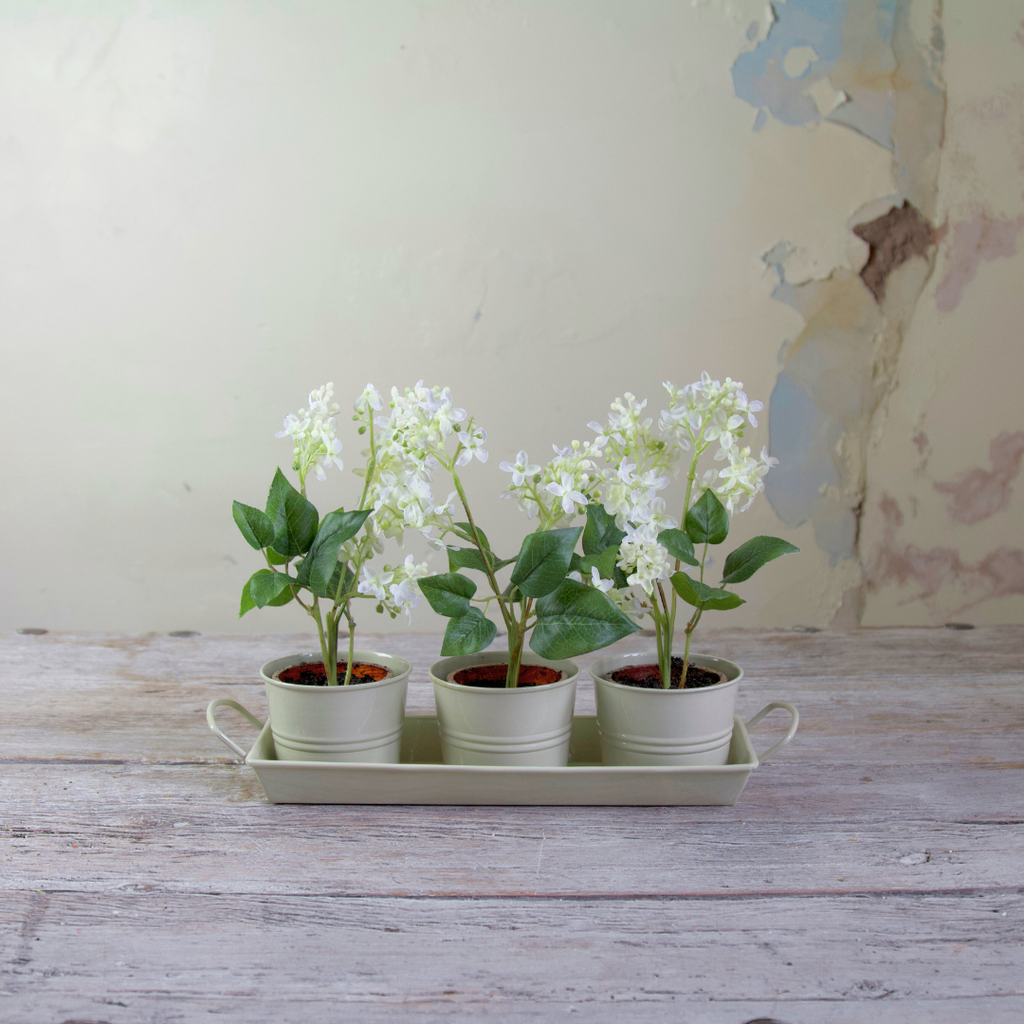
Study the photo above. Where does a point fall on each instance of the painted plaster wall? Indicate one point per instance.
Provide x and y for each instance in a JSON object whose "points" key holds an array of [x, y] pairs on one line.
{"points": [[210, 208]]}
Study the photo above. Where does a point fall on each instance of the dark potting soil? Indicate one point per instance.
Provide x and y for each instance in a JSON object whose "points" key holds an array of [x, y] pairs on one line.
{"points": [[648, 677], [314, 673], [493, 676]]}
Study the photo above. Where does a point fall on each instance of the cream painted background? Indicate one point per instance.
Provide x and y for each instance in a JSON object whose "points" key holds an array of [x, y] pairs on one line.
{"points": [[209, 208]]}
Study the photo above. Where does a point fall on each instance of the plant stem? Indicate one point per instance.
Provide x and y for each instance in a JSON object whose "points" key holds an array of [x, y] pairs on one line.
{"points": [[332, 643], [692, 624], [664, 637], [324, 652], [351, 642], [509, 619], [515, 648], [371, 465]]}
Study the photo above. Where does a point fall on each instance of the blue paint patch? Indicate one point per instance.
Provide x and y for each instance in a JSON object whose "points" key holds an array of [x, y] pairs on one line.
{"points": [[752, 30], [802, 438], [758, 76], [761, 120], [760, 79]]}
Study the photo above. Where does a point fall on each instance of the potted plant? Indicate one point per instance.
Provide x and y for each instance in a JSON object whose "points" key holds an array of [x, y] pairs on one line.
{"points": [[513, 708], [674, 708], [323, 708]]}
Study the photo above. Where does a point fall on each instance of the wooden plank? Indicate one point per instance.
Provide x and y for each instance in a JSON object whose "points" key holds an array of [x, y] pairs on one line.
{"points": [[128, 958], [205, 828]]}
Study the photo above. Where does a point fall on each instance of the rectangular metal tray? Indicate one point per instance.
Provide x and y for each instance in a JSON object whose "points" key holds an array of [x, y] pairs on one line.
{"points": [[422, 778]]}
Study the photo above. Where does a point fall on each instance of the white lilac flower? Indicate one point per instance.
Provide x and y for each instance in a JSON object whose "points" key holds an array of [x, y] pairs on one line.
{"points": [[600, 584], [448, 505], [374, 583], [313, 431], [369, 399], [570, 497], [405, 596], [472, 441], [575, 575], [520, 469], [641, 553]]}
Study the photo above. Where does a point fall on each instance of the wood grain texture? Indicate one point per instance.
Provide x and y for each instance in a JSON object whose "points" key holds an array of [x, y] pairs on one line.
{"points": [[873, 872]]}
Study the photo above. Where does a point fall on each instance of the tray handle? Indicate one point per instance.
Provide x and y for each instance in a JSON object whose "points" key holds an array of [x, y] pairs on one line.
{"points": [[790, 732], [211, 721]]}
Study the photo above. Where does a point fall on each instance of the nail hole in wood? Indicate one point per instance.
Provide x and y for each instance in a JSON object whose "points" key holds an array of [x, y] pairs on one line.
{"points": [[184, 633], [959, 625], [32, 631]]}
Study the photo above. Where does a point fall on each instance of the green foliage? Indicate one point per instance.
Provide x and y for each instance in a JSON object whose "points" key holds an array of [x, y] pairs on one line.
{"points": [[465, 531], [544, 560], [707, 521], [266, 585], [700, 595], [604, 562], [600, 533], [448, 593], [255, 525], [749, 557], [470, 558], [678, 545], [294, 518], [575, 619], [336, 528], [468, 633]]}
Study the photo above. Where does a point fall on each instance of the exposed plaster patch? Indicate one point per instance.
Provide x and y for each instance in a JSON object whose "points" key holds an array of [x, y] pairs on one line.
{"points": [[999, 574], [1018, 36], [892, 239], [981, 238], [979, 493]]}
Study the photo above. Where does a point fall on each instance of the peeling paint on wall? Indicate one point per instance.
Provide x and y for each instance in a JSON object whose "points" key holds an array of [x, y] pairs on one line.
{"points": [[825, 60], [1000, 573], [976, 240], [837, 372], [979, 493]]}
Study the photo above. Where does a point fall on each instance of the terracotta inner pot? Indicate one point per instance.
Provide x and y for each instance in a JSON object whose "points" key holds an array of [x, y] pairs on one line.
{"points": [[314, 673], [493, 676], [648, 677]]}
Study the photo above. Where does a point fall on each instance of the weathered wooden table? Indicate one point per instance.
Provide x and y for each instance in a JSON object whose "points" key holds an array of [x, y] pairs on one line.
{"points": [[874, 871]]}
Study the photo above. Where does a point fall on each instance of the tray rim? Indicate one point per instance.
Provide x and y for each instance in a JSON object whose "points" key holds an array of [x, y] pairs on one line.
{"points": [[432, 767]]}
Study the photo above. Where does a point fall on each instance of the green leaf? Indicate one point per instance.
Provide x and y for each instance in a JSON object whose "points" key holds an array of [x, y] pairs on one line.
{"points": [[600, 532], [283, 598], [265, 586], [448, 593], [544, 560], [467, 633], [295, 522], [749, 557], [255, 525], [470, 558], [336, 528], [274, 558], [279, 487], [465, 531], [700, 595], [248, 603], [576, 619], [707, 520], [605, 563], [678, 545]]}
